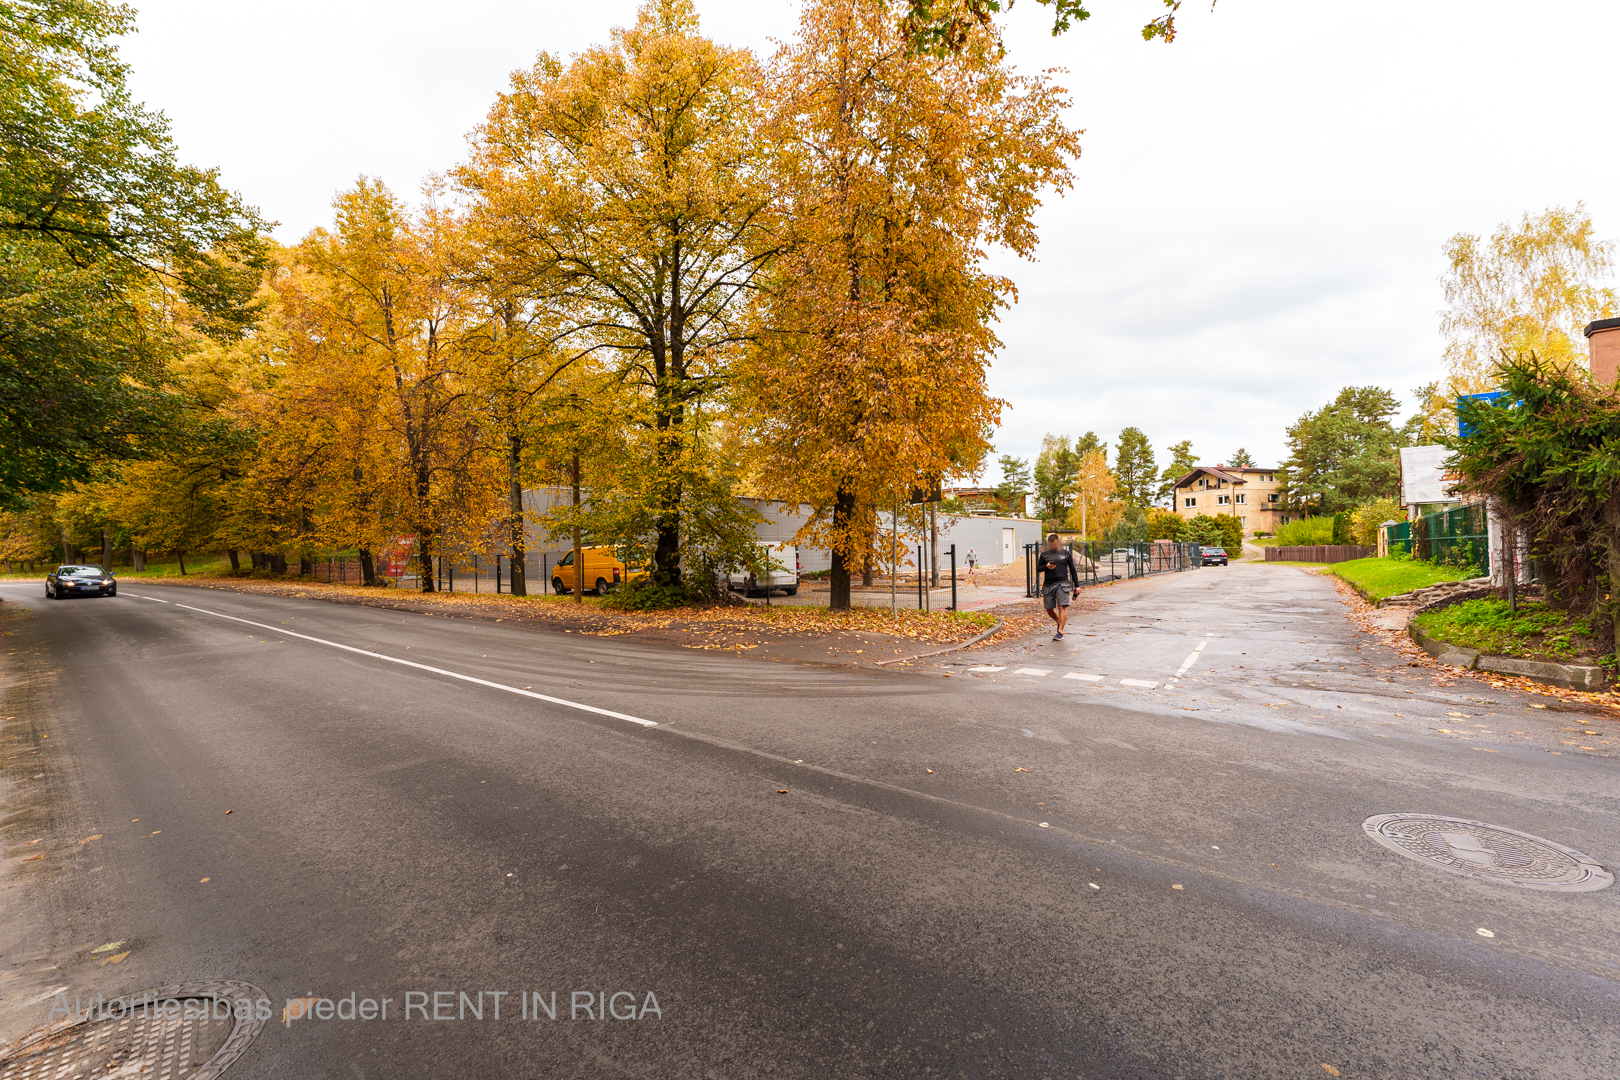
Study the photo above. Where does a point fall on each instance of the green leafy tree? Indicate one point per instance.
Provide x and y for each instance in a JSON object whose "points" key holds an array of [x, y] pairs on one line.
{"points": [[1240, 460], [1134, 469], [1343, 454], [1342, 527], [1015, 482], [1181, 463], [111, 251], [1231, 531], [1056, 469], [1205, 530]]}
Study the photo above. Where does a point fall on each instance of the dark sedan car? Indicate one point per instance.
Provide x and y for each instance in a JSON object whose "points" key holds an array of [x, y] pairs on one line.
{"points": [[66, 581], [1213, 556]]}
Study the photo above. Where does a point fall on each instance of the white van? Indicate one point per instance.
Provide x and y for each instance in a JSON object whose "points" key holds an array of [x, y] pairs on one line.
{"points": [[784, 575]]}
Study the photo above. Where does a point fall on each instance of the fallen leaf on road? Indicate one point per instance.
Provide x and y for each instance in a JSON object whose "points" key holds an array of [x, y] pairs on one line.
{"points": [[31, 843], [87, 839], [1330, 1070], [230, 811], [31, 858], [114, 959], [1094, 885], [1020, 770], [204, 881], [781, 791], [156, 831], [1538, 706], [928, 770], [1178, 888], [109, 947], [1487, 749]]}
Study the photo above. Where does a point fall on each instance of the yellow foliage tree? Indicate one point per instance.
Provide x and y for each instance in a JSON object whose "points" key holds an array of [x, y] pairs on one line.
{"points": [[867, 377], [1530, 287]]}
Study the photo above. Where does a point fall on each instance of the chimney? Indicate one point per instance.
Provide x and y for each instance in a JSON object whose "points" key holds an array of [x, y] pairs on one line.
{"points": [[1603, 342]]}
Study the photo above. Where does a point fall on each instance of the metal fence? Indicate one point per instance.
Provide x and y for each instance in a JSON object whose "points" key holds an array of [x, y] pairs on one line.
{"points": [[1098, 563], [341, 569], [1459, 537]]}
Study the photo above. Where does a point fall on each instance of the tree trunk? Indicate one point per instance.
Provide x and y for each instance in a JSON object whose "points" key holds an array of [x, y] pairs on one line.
{"points": [[236, 562], [843, 516], [106, 549], [368, 567], [579, 552], [278, 563], [518, 544], [68, 555], [424, 561], [306, 565], [182, 557], [137, 558]]}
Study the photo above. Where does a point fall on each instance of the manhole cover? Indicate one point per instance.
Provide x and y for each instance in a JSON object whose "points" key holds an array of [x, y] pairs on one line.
{"points": [[194, 1031], [1488, 852]]}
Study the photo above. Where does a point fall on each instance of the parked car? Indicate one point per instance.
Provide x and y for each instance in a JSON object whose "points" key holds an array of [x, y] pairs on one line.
{"points": [[68, 580], [1212, 556], [604, 571], [783, 576]]}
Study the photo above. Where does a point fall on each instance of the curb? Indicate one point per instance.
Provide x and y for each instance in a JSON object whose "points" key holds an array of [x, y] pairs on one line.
{"points": [[1587, 677], [974, 640]]}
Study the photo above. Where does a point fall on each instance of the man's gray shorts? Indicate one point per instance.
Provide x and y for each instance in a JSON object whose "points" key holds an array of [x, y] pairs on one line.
{"points": [[1057, 595]]}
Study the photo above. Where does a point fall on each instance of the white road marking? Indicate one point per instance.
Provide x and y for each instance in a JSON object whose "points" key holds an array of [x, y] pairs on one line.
{"points": [[1138, 682], [424, 667], [1189, 662], [1033, 671], [152, 598], [989, 667], [1083, 678]]}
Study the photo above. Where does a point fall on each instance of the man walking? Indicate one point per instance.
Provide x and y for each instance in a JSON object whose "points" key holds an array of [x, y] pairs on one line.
{"points": [[1059, 576]]}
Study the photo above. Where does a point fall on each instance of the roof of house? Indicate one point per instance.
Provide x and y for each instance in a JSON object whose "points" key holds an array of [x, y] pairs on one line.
{"points": [[1221, 472]]}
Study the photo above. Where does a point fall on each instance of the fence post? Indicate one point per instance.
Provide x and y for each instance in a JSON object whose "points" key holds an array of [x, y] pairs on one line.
{"points": [[953, 577]]}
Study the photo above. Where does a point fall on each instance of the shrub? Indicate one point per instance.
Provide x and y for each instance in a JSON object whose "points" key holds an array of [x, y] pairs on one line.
{"points": [[1306, 532], [1231, 529], [1341, 528], [644, 595], [1366, 520], [1166, 525]]}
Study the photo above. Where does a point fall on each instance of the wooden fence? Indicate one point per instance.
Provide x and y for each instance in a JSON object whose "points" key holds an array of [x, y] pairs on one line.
{"points": [[1325, 553]]}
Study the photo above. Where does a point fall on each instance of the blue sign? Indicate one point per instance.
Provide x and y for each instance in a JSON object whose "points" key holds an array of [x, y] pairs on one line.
{"points": [[1465, 429]]}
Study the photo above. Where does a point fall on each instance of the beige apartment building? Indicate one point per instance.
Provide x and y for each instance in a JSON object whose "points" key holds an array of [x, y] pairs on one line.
{"points": [[1249, 494]]}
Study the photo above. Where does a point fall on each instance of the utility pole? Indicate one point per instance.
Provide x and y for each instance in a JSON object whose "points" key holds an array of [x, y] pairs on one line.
{"points": [[579, 552]]}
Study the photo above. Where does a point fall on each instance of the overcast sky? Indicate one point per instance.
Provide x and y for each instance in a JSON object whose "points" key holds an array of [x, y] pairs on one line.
{"points": [[1258, 216]]}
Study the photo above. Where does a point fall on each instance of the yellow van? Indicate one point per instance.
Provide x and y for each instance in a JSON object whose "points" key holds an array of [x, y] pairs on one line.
{"points": [[603, 571]]}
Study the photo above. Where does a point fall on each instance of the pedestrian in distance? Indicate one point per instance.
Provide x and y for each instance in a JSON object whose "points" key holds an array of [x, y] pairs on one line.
{"points": [[1059, 578], [972, 563]]}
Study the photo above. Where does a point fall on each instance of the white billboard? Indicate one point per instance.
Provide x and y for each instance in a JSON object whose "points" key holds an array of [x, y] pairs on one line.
{"points": [[1423, 475]]}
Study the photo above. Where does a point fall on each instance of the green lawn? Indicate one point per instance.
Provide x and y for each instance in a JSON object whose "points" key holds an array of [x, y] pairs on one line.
{"points": [[1535, 630], [1378, 578], [201, 564]]}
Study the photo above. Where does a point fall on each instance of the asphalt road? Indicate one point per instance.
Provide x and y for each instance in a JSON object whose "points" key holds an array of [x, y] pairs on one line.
{"points": [[899, 912]]}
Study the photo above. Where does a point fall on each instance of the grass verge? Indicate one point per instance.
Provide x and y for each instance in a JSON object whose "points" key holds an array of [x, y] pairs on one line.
{"points": [[1535, 631], [1378, 578]]}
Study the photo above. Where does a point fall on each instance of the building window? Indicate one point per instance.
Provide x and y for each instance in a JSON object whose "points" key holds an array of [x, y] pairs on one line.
{"points": [[1241, 499], [1222, 500], [1191, 500], [1275, 497]]}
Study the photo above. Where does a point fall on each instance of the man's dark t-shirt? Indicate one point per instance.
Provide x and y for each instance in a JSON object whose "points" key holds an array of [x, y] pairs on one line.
{"points": [[1057, 567]]}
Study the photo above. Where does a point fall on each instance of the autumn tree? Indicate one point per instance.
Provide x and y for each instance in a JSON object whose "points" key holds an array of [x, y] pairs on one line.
{"points": [[375, 326], [1095, 509], [895, 170], [1529, 288], [943, 26], [631, 193], [1055, 469]]}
